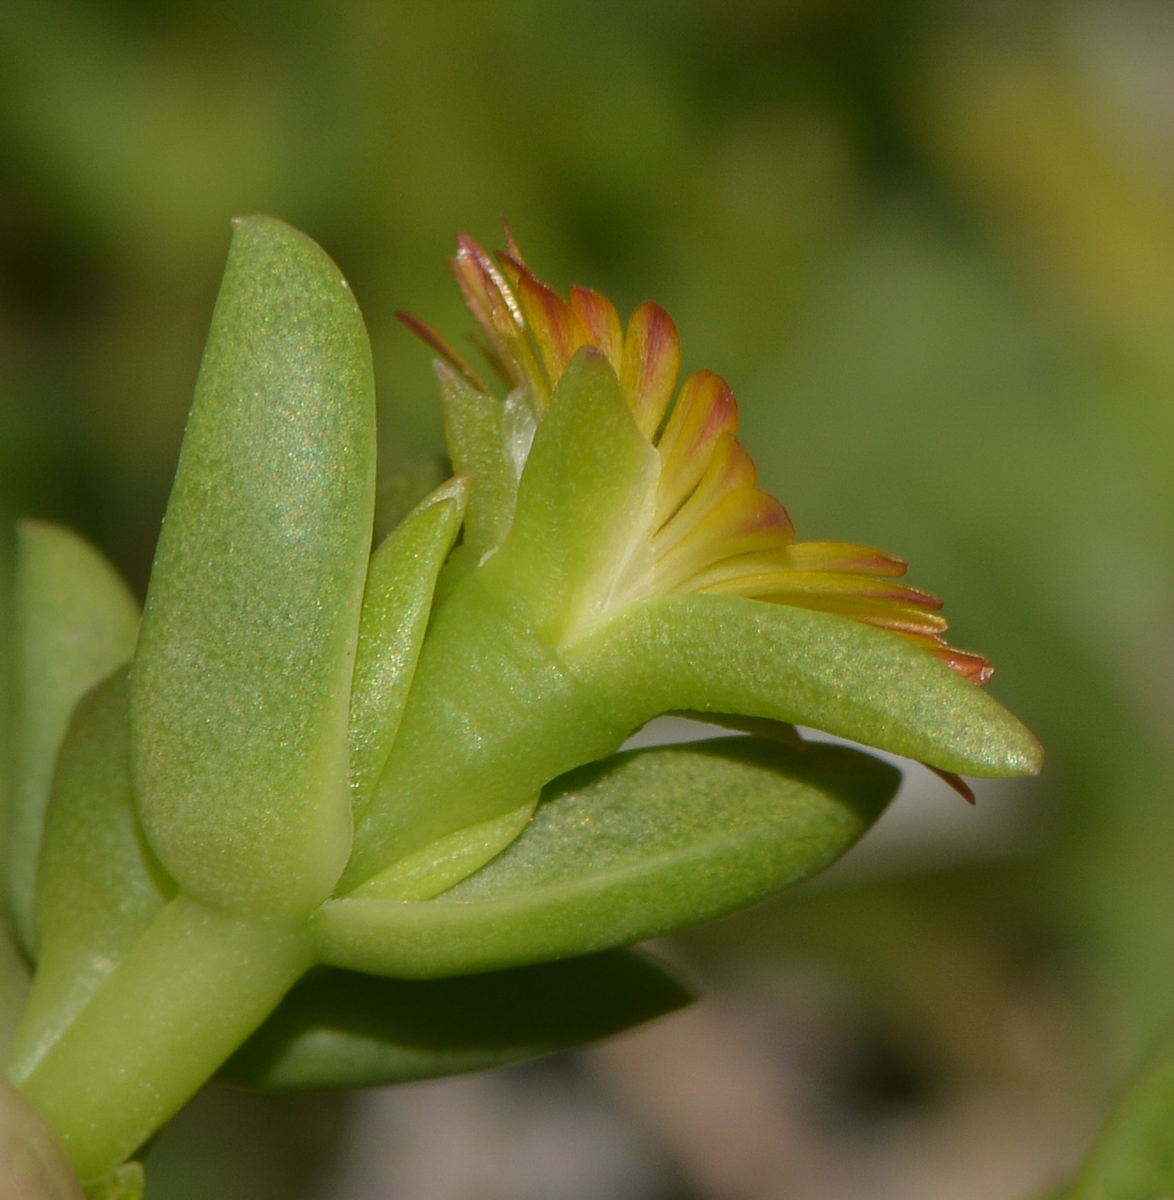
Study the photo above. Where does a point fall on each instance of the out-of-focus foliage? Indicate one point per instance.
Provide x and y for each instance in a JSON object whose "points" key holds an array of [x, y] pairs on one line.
{"points": [[930, 245]]}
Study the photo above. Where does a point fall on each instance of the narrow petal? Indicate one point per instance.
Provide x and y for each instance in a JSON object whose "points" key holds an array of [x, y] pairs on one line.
{"points": [[843, 556], [497, 311], [557, 330], [744, 522], [649, 365], [487, 296], [730, 469], [510, 245], [704, 411], [975, 667], [824, 583], [599, 315]]}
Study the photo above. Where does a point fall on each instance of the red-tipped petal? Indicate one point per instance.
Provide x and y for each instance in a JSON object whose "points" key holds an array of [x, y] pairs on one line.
{"points": [[555, 326], [843, 556], [492, 304], [602, 321], [510, 245], [975, 667], [730, 469], [704, 411], [892, 615], [649, 364], [496, 308]]}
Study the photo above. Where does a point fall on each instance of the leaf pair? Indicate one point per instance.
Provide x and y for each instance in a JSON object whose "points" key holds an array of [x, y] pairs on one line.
{"points": [[326, 760]]}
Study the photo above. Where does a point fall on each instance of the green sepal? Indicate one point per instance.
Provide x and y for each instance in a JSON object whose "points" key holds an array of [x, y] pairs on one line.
{"points": [[1133, 1159], [126, 1183], [726, 654], [588, 477], [76, 621], [476, 445], [241, 684], [635, 846], [340, 1029], [100, 887], [397, 600]]}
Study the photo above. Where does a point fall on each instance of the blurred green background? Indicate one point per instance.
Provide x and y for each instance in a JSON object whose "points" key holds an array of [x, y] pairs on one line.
{"points": [[931, 246]]}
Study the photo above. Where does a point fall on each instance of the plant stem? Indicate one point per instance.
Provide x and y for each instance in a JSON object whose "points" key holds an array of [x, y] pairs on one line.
{"points": [[196, 984]]}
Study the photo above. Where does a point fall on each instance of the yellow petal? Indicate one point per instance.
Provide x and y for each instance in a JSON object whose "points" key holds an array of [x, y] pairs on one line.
{"points": [[649, 364], [730, 469], [599, 315], [744, 522], [843, 556], [704, 411]]}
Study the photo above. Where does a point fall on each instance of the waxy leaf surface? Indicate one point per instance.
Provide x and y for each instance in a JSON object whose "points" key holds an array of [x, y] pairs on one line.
{"points": [[397, 599], [76, 621], [748, 657], [99, 888], [241, 685], [626, 849]]}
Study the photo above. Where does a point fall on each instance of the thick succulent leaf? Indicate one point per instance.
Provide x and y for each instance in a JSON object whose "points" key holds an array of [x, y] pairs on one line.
{"points": [[1134, 1157], [339, 1029], [492, 716], [397, 599], [640, 844], [241, 684], [99, 887], [732, 655], [588, 477], [476, 445], [76, 621]]}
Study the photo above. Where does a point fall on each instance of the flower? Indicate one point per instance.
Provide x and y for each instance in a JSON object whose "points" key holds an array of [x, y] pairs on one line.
{"points": [[709, 528]]}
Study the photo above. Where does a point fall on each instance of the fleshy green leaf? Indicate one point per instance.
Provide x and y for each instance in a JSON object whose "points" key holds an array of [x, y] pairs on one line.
{"points": [[396, 602], [492, 717], [731, 655], [622, 850], [588, 476], [1134, 1157], [241, 684], [476, 442], [76, 621], [341, 1029], [99, 887]]}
